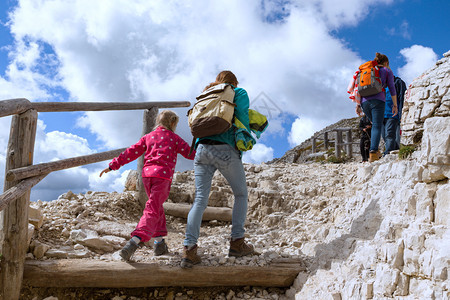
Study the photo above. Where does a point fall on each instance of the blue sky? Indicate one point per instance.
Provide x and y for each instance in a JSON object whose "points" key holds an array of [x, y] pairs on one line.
{"points": [[294, 58]]}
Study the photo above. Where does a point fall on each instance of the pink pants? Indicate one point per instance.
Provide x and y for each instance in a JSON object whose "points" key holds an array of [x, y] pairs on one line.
{"points": [[153, 220]]}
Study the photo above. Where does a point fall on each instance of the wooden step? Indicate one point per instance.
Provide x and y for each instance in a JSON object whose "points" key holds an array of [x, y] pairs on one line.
{"points": [[113, 274]]}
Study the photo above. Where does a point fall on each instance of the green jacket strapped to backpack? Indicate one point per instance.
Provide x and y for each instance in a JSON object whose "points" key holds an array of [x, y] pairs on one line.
{"points": [[258, 124]]}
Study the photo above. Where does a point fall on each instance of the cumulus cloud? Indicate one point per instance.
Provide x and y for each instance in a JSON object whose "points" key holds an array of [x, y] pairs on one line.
{"points": [[302, 129], [418, 60], [260, 153], [141, 51]]}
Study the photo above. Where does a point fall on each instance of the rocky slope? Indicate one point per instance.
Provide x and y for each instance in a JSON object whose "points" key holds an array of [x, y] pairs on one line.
{"points": [[364, 231]]}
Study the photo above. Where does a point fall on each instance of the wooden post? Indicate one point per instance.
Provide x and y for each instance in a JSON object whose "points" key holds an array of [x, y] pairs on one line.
{"points": [[325, 140], [313, 148], [338, 143], [14, 219], [149, 123], [349, 143]]}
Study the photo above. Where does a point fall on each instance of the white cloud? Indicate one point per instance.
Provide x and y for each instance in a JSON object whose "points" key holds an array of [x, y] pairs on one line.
{"points": [[418, 60], [302, 129], [140, 51], [401, 30], [112, 181], [260, 153]]}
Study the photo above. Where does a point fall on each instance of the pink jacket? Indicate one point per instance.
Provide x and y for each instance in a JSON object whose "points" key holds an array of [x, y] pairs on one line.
{"points": [[161, 147]]}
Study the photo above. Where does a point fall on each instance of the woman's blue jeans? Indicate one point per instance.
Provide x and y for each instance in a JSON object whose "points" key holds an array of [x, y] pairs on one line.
{"points": [[374, 110], [227, 160]]}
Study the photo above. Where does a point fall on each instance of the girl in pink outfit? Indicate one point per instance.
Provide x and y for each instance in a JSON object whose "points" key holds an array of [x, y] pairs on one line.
{"points": [[161, 147]]}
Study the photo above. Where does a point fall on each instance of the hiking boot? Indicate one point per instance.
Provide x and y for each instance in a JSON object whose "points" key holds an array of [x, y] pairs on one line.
{"points": [[161, 248], [374, 156], [240, 248], [128, 250], [190, 257]]}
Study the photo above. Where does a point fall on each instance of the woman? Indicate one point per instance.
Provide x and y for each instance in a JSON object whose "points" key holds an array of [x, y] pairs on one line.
{"points": [[373, 106], [218, 152]]}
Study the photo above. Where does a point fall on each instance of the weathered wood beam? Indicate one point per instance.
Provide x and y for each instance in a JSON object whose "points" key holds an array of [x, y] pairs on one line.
{"points": [[112, 274], [211, 213], [101, 106], [14, 218], [45, 168], [14, 106], [19, 190]]}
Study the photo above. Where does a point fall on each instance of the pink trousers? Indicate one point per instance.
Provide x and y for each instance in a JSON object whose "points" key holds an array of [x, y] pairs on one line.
{"points": [[153, 220]]}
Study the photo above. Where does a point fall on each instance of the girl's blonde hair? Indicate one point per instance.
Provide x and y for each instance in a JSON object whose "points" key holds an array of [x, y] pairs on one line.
{"points": [[224, 77], [168, 119]]}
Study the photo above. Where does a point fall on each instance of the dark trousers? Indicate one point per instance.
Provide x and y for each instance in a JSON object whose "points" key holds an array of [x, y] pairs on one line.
{"points": [[364, 145]]}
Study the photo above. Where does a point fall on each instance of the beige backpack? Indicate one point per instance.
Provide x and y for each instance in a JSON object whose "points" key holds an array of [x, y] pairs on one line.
{"points": [[213, 112]]}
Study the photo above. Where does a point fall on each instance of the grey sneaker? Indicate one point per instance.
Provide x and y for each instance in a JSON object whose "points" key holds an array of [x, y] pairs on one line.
{"points": [[161, 248], [128, 250]]}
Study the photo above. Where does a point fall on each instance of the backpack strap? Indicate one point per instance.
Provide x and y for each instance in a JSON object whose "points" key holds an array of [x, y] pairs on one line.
{"points": [[192, 146]]}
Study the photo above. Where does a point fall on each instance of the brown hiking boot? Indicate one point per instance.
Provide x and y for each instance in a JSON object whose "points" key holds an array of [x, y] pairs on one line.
{"points": [[374, 156], [190, 257], [240, 248]]}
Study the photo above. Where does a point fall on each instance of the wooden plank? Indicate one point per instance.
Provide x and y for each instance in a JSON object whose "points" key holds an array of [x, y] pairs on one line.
{"points": [[112, 274], [211, 213], [14, 218], [14, 106], [19, 190], [101, 106], [46, 168]]}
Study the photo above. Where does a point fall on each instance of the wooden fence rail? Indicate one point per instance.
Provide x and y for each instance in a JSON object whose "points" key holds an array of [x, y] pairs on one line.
{"points": [[20, 105], [22, 175], [45, 168]]}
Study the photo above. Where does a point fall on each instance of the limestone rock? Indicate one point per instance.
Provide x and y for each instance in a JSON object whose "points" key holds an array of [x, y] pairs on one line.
{"points": [[35, 217]]}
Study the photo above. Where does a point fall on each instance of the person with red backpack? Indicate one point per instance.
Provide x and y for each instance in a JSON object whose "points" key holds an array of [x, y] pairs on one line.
{"points": [[374, 76]]}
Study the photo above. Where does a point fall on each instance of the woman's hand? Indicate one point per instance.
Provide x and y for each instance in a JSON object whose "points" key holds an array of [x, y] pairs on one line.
{"points": [[358, 110], [394, 110], [105, 171]]}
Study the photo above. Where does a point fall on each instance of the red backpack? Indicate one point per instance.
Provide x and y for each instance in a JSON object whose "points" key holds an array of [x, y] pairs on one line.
{"points": [[369, 81]]}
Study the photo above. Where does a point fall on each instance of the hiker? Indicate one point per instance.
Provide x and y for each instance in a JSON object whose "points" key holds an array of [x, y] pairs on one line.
{"points": [[391, 123], [365, 127], [218, 152], [373, 106], [160, 148]]}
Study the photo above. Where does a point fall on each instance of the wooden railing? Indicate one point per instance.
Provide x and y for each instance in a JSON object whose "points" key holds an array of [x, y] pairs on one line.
{"points": [[339, 143], [21, 175]]}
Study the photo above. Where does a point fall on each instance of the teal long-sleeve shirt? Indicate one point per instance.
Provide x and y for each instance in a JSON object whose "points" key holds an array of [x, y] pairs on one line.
{"points": [[241, 112]]}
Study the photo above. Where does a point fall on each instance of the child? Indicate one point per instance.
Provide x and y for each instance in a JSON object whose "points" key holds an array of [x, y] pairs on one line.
{"points": [[161, 147], [365, 126]]}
